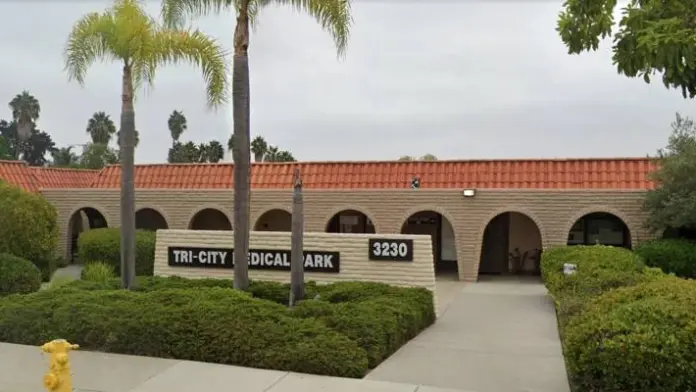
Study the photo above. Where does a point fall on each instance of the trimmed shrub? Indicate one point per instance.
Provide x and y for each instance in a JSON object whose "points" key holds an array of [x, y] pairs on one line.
{"points": [[677, 256], [640, 338], [29, 228], [599, 269], [104, 245], [203, 324], [18, 276], [98, 272]]}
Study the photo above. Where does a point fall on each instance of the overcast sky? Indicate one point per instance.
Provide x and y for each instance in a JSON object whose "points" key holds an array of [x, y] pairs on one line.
{"points": [[460, 80]]}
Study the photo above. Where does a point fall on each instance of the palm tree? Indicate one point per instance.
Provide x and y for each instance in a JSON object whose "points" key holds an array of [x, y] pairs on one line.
{"points": [[259, 148], [296, 242], [127, 34], [202, 153], [230, 145], [285, 156], [215, 152], [177, 125], [25, 111], [271, 154], [64, 157], [101, 128], [333, 15]]}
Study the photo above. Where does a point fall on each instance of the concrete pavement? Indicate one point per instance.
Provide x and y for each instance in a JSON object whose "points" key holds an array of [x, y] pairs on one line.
{"points": [[493, 336], [22, 369]]}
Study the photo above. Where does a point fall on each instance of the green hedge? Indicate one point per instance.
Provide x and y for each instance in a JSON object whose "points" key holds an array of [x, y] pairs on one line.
{"points": [[29, 227], [378, 317], [18, 276], [677, 256], [204, 324], [104, 245], [599, 269], [640, 338]]}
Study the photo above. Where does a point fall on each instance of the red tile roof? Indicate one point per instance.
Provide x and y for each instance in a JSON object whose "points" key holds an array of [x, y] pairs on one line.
{"points": [[51, 177], [614, 173], [18, 173]]}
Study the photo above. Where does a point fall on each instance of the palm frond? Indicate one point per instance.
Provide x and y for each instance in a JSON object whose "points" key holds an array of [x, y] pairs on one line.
{"points": [[334, 16], [197, 48], [176, 13], [88, 42]]}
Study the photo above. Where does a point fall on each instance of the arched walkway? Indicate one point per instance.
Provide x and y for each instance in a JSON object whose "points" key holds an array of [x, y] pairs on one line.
{"points": [[150, 219], [274, 220], [350, 221], [511, 244], [82, 220], [210, 219], [442, 234], [600, 228]]}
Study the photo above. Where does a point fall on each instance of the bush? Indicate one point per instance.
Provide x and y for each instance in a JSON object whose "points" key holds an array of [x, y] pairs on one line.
{"points": [[676, 256], [599, 269], [29, 227], [379, 317], [203, 324], [18, 276], [640, 338], [98, 272], [104, 245]]}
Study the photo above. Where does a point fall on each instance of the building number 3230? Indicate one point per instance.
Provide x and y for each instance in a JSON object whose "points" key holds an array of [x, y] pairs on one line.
{"points": [[387, 249]]}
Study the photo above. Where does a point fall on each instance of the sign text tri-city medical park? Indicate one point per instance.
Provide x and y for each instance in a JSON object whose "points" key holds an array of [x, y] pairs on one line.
{"points": [[262, 259]]}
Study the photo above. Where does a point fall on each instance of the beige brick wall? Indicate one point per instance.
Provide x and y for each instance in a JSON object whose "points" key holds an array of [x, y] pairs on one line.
{"points": [[353, 249], [554, 211]]}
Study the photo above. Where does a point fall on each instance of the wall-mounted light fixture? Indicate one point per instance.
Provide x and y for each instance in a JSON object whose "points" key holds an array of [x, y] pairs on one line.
{"points": [[469, 192]]}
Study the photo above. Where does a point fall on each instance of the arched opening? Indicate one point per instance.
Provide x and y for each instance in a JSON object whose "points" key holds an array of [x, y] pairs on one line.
{"points": [[274, 220], [600, 228], [442, 235], [82, 220], [210, 219], [511, 245], [149, 219], [350, 221]]}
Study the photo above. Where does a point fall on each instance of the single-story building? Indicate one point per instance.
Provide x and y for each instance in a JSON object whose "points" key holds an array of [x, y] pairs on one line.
{"points": [[484, 216]]}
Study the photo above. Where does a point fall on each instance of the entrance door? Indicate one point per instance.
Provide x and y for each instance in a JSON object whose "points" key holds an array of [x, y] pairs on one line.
{"points": [[494, 251]]}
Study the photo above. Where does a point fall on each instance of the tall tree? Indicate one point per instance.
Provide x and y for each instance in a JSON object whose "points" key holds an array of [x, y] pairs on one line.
{"points": [[653, 37], [101, 128], [35, 149], [259, 147], [671, 204], [8, 131], [297, 242], [25, 111], [127, 34], [333, 15], [214, 152], [97, 155], [5, 149], [230, 145], [177, 125], [65, 157], [271, 154]]}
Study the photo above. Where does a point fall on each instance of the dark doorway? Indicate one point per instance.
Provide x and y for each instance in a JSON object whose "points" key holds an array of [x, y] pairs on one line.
{"points": [[495, 247], [149, 219], [442, 236], [210, 219], [82, 220], [511, 245], [274, 220], [350, 221]]}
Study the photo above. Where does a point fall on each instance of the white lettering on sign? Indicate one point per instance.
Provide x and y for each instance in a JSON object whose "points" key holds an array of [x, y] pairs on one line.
{"points": [[271, 259], [392, 249]]}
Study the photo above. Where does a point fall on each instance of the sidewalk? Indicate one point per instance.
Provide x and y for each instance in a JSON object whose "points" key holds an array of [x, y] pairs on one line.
{"points": [[498, 335], [22, 369]]}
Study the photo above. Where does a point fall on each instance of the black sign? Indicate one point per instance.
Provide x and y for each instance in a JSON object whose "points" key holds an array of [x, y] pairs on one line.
{"points": [[385, 249], [260, 259]]}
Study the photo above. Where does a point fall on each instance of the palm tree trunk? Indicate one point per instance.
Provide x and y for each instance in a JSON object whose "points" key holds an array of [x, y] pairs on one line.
{"points": [[127, 152], [241, 153], [296, 247]]}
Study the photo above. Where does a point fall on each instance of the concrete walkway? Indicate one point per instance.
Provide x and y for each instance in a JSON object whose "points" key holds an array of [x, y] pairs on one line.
{"points": [[492, 336], [22, 369]]}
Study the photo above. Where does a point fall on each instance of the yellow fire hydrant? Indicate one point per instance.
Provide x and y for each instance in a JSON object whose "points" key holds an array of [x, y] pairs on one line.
{"points": [[58, 377]]}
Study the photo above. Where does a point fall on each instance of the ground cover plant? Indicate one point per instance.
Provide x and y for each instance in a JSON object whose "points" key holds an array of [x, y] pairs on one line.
{"points": [[342, 329], [624, 326]]}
